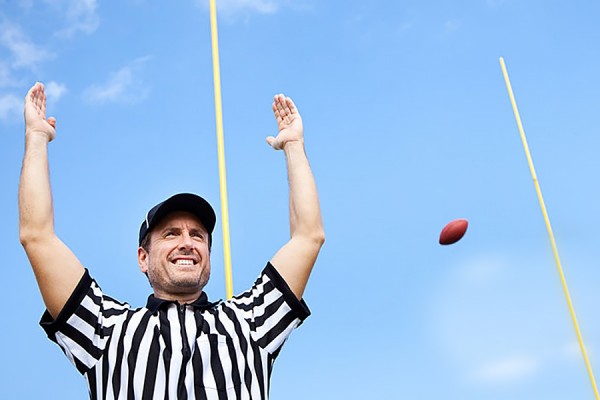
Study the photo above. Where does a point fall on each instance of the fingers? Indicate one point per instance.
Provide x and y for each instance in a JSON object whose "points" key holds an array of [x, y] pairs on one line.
{"points": [[278, 102], [34, 90], [37, 98], [281, 103], [284, 109], [290, 105]]}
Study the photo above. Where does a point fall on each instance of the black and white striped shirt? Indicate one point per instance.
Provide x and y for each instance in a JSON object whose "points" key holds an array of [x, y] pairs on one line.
{"points": [[165, 350]]}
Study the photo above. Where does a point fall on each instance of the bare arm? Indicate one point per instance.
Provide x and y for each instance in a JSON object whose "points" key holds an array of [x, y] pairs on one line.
{"points": [[56, 268], [295, 260]]}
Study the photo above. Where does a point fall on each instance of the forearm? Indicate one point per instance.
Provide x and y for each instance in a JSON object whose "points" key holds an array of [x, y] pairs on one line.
{"points": [[296, 258], [305, 212], [36, 216]]}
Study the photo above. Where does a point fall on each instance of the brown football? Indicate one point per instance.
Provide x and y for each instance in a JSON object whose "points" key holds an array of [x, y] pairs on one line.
{"points": [[453, 231]]}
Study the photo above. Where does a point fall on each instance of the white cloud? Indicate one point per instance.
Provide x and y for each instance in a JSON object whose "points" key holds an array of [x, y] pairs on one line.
{"points": [[481, 314], [507, 370], [483, 270], [81, 16], [25, 54], [5, 76], [10, 106], [123, 86], [572, 351], [18, 54], [54, 90]]}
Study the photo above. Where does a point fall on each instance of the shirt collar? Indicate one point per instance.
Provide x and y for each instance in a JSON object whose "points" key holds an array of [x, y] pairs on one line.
{"points": [[201, 303]]}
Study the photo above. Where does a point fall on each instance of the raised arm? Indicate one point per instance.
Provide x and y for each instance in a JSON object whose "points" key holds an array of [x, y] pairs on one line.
{"points": [[295, 260], [56, 268]]}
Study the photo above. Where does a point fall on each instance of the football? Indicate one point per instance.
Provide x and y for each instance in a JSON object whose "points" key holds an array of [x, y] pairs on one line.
{"points": [[453, 231]]}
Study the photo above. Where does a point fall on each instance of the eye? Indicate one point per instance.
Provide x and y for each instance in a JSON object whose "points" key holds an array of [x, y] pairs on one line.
{"points": [[169, 234], [197, 235]]}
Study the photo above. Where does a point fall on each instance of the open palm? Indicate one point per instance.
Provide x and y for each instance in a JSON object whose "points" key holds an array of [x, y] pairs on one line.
{"points": [[35, 113], [289, 122]]}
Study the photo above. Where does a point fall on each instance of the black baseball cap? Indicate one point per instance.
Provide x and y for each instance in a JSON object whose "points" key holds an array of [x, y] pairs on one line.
{"points": [[180, 202]]}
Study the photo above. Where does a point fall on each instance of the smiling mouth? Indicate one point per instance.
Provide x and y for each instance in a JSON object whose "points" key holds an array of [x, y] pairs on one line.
{"points": [[184, 262]]}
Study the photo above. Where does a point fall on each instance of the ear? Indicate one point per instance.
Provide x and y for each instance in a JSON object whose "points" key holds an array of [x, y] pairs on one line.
{"points": [[143, 259]]}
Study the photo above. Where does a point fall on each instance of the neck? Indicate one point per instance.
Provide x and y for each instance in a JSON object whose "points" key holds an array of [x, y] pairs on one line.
{"points": [[181, 298]]}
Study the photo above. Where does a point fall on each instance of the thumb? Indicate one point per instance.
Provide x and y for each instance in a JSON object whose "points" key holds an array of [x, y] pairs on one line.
{"points": [[52, 122], [272, 142]]}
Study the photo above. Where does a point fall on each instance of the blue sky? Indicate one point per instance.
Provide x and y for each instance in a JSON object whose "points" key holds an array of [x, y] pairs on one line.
{"points": [[408, 125]]}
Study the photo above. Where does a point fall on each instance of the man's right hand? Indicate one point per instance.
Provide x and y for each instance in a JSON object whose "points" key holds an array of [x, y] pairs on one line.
{"points": [[35, 114]]}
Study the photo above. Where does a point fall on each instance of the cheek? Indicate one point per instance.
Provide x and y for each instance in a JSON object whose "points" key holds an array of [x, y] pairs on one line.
{"points": [[153, 261], [205, 274]]}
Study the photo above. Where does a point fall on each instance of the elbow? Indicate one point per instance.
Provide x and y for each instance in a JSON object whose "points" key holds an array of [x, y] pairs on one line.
{"points": [[318, 238], [27, 239], [313, 238], [30, 237]]}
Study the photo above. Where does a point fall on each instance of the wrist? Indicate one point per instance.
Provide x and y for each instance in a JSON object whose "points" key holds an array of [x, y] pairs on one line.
{"points": [[292, 144], [37, 135]]}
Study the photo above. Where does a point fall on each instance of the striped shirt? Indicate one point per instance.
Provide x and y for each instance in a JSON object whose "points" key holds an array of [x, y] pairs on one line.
{"points": [[203, 350]]}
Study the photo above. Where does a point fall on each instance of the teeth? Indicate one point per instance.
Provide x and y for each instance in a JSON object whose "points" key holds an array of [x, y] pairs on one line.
{"points": [[184, 262]]}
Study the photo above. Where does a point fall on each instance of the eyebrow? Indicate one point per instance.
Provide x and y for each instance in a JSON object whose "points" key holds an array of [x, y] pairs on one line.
{"points": [[178, 229], [170, 229], [199, 230]]}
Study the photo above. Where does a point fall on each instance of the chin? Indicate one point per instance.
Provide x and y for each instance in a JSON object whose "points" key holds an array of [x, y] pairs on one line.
{"points": [[193, 283], [187, 282]]}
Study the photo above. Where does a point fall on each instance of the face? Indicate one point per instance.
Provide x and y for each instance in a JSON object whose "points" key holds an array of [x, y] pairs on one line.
{"points": [[178, 259]]}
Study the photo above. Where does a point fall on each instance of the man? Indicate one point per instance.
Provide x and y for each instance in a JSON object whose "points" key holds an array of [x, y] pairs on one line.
{"points": [[180, 346]]}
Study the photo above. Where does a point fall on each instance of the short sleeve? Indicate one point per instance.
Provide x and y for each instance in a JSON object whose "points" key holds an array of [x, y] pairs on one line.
{"points": [[271, 309], [85, 323]]}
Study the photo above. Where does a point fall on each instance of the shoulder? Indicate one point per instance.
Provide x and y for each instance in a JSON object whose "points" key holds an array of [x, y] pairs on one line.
{"points": [[267, 295], [87, 303]]}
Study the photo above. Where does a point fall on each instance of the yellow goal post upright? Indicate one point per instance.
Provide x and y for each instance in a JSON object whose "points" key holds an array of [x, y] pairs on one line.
{"points": [[549, 228], [221, 150]]}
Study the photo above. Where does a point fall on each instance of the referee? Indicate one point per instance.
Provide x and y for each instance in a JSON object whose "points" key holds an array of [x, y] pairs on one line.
{"points": [[180, 345]]}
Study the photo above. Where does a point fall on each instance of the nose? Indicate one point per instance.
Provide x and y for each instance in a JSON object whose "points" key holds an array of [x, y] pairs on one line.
{"points": [[186, 241]]}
